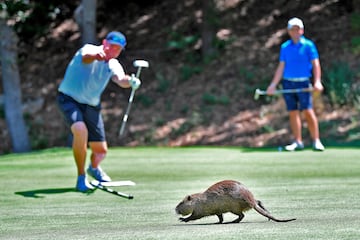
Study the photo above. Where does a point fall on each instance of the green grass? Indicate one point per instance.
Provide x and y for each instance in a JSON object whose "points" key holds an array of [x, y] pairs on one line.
{"points": [[322, 190]]}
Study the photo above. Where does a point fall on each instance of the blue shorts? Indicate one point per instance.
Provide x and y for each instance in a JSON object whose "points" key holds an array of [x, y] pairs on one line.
{"points": [[299, 100], [74, 111]]}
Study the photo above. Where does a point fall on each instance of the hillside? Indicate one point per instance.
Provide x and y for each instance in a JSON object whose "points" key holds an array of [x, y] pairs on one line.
{"points": [[183, 101]]}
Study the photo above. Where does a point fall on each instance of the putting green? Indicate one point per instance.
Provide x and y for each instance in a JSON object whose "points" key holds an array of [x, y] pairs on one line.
{"points": [[320, 189]]}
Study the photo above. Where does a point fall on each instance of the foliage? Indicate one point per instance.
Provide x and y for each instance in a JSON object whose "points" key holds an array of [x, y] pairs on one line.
{"points": [[188, 45], [267, 129], [32, 19], [37, 138], [355, 22], [247, 74], [163, 83], [212, 99], [9, 9], [145, 100], [355, 45], [187, 71], [194, 120], [355, 27], [181, 42], [159, 122], [338, 81]]}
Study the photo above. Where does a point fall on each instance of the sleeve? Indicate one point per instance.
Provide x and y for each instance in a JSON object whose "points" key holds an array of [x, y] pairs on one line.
{"points": [[313, 52], [282, 55], [116, 68], [88, 49]]}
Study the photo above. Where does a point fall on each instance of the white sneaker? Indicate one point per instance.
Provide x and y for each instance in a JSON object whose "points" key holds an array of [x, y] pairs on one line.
{"points": [[318, 146], [82, 185], [98, 174], [294, 146]]}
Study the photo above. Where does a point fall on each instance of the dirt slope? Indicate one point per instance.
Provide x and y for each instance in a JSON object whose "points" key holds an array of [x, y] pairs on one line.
{"points": [[215, 105]]}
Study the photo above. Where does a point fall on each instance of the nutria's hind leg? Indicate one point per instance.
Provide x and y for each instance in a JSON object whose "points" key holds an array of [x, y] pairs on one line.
{"points": [[262, 206], [241, 216], [220, 216]]}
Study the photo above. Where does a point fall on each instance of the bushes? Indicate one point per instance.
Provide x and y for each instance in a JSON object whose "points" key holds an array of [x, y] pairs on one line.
{"points": [[340, 85]]}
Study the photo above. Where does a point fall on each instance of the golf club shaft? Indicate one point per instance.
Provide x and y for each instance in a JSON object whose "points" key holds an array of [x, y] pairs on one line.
{"points": [[259, 92], [138, 72], [131, 98], [112, 191], [125, 118], [282, 91], [139, 64]]}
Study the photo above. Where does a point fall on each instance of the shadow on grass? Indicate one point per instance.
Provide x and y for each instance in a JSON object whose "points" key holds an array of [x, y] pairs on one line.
{"points": [[39, 193], [215, 223]]}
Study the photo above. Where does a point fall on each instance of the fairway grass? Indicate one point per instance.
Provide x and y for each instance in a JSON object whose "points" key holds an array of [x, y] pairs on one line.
{"points": [[320, 189]]}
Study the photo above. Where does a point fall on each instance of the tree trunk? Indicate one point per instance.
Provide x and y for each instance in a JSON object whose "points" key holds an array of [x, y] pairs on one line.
{"points": [[356, 4], [12, 90], [208, 28], [88, 21]]}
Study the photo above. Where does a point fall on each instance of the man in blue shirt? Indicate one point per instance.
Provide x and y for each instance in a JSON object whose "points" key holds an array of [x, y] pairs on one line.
{"points": [[85, 79], [299, 61]]}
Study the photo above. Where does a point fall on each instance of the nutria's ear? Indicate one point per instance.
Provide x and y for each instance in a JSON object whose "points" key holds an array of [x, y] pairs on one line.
{"points": [[188, 198]]}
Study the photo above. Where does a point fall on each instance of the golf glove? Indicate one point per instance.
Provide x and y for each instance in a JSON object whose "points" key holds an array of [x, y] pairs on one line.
{"points": [[134, 82]]}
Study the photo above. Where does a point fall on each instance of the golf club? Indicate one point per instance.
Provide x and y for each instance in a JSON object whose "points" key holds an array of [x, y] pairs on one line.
{"points": [[100, 185], [259, 92], [117, 183], [139, 64]]}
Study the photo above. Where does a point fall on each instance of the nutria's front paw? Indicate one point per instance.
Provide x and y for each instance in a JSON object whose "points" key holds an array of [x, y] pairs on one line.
{"points": [[183, 219]]}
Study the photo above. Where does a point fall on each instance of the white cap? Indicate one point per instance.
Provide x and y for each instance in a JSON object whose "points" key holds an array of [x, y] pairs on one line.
{"points": [[295, 22]]}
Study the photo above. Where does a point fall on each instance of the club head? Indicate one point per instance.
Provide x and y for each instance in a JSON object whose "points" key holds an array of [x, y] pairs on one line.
{"points": [[141, 63], [257, 94]]}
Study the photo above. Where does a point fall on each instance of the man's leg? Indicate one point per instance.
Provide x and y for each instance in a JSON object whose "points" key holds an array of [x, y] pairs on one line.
{"points": [[79, 146], [313, 124], [295, 125], [311, 119], [80, 138], [99, 150]]}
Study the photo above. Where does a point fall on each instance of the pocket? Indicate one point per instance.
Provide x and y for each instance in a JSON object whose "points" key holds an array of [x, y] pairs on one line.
{"points": [[60, 98], [64, 102]]}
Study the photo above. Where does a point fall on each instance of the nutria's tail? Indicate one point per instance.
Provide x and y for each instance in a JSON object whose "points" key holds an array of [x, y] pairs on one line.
{"points": [[260, 209]]}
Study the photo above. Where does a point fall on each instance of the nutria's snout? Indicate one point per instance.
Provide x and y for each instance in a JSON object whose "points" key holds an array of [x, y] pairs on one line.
{"points": [[185, 207], [176, 211]]}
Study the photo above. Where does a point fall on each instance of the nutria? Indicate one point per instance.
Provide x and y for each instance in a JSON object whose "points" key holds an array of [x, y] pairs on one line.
{"points": [[222, 197]]}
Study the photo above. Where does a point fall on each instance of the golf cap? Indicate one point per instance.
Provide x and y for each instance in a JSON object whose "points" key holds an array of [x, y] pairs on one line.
{"points": [[295, 22], [116, 38]]}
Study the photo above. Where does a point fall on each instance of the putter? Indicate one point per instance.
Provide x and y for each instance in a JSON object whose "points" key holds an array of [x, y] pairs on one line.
{"points": [[100, 185], [139, 64], [259, 92], [117, 183]]}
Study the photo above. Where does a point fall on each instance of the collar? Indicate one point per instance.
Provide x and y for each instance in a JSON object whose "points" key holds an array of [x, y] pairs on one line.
{"points": [[301, 41]]}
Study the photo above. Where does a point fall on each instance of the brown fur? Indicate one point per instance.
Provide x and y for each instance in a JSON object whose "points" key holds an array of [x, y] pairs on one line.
{"points": [[222, 197]]}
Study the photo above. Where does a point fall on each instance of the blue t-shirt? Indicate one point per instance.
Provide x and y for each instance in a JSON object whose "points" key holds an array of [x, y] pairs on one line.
{"points": [[86, 82], [298, 57]]}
